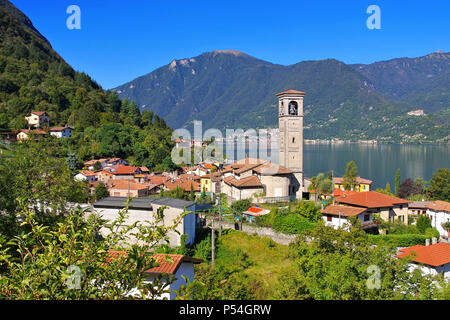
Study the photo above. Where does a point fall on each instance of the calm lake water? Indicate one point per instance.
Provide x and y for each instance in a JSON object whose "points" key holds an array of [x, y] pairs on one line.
{"points": [[376, 162]]}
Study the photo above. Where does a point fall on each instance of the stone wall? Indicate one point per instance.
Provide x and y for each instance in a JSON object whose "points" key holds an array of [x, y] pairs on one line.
{"points": [[278, 237]]}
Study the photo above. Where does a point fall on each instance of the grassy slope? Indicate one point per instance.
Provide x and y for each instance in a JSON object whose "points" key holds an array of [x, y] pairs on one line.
{"points": [[267, 259]]}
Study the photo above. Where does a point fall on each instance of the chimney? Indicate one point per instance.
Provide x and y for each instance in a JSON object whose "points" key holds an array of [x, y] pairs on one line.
{"points": [[427, 242], [434, 240]]}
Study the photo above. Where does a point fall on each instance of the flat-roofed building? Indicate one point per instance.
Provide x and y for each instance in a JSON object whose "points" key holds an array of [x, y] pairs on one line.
{"points": [[143, 209]]}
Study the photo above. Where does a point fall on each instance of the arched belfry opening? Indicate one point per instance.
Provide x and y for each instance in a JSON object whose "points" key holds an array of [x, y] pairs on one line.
{"points": [[293, 108]]}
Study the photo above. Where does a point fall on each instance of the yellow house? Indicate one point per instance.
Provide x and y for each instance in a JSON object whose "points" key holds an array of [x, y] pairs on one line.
{"points": [[362, 185], [205, 182]]}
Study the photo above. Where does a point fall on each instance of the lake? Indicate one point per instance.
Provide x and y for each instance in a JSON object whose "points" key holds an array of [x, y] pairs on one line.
{"points": [[377, 162]]}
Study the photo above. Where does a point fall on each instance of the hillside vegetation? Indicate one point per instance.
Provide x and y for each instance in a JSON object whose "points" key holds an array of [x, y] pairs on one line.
{"points": [[33, 77]]}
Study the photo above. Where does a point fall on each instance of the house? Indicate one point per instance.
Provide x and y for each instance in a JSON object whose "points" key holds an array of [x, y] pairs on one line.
{"points": [[205, 182], [362, 185], [86, 175], [417, 209], [61, 132], [176, 265], [259, 179], [116, 162], [254, 212], [337, 215], [126, 172], [439, 213], [25, 134], [388, 207], [38, 119], [143, 209], [127, 188], [90, 164], [429, 259]]}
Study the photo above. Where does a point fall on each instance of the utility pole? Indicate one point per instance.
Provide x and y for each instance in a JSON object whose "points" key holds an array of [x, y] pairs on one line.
{"points": [[220, 215], [213, 245]]}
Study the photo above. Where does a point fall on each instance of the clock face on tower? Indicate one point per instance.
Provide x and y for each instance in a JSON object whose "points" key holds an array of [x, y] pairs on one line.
{"points": [[293, 108]]}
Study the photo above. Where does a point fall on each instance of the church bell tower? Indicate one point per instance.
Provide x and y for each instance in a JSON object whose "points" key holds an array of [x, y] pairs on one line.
{"points": [[290, 117]]}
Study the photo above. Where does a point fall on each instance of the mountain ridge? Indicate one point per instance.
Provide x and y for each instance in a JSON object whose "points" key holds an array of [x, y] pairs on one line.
{"points": [[238, 90]]}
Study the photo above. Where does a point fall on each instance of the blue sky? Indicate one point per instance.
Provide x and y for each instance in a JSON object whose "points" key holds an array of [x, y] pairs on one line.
{"points": [[121, 40]]}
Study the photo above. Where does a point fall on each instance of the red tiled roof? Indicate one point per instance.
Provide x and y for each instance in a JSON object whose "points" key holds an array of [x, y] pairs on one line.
{"points": [[157, 180], [434, 255], [340, 193], [359, 180], [39, 113], [183, 184], [36, 131], [271, 168], [59, 128], [247, 182], [167, 263], [87, 173], [371, 199], [127, 184], [345, 211], [254, 209], [126, 170], [291, 91], [439, 205]]}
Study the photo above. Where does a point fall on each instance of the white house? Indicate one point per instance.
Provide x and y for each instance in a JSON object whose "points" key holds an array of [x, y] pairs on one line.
{"points": [[143, 209], [86, 175], [336, 216], [38, 119], [169, 265], [61, 132], [439, 213], [431, 260]]}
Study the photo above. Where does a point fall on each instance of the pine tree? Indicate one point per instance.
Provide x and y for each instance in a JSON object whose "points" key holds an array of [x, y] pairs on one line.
{"points": [[351, 172], [388, 187], [397, 181]]}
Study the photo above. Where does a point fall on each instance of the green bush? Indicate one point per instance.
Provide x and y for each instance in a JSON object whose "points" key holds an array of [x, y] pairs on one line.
{"points": [[399, 240], [292, 224], [285, 222]]}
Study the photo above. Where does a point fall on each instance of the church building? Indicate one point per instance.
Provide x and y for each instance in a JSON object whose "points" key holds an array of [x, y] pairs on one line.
{"points": [[265, 181]]}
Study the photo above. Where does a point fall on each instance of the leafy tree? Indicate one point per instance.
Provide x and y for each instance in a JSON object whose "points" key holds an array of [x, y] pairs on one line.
{"points": [[409, 188], [68, 259], [423, 223], [97, 166], [351, 172], [321, 185], [101, 191], [335, 264], [439, 188], [397, 181], [309, 210], [35, 175], [72, 161]]}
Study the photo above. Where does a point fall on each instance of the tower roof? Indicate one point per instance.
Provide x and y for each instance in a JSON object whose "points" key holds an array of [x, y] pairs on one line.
{"points": [[291, 91]]}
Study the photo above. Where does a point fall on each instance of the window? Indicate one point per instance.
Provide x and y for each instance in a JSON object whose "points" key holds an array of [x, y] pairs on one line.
{"points": [[366, 217], [329, 218]]}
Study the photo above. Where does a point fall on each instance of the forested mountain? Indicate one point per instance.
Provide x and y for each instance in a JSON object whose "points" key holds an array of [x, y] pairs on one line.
{"points": [[422, 82], [232, 89], [33, 77]]}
